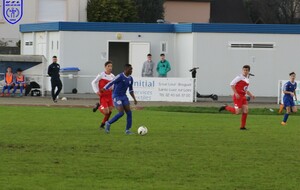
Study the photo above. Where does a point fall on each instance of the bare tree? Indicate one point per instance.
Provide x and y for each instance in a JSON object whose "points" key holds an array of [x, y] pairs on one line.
{"points": [[274, 11]]}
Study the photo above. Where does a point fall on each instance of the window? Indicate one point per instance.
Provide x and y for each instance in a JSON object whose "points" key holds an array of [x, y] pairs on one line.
{"points": [[28, 43], [163, 47], [252, 45]]}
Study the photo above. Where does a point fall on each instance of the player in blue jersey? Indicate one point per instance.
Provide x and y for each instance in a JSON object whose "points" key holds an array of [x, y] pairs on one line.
{"points": [[121, 83], [289, 90]]}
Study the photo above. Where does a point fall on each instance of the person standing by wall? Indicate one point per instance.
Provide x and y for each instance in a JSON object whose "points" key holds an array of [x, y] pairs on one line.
{"points": [[148, 67], [53, 72], [163, 66]]}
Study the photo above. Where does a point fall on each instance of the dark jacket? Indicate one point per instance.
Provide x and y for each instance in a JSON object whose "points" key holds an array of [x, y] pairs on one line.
{"points": [[53, 71]]}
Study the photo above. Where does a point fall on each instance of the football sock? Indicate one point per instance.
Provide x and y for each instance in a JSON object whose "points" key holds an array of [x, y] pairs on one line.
{"points": [[230, 109], [116, 117], [285, 117], [129, 120], [106, 117], [8, 89], [15, 89], [21, 89], [243, 120], [4, 88]]}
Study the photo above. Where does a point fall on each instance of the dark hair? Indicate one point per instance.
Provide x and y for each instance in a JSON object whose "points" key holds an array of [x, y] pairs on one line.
{"points": [[126, 66], [9, 67], [107, 62], [19, 70], [149, 54], [292, 73], [246, 67], [162, 54], [54, 56]]}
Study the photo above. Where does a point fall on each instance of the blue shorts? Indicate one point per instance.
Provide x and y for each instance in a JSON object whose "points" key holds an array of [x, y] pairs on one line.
{"points": [[121, 101], [288, 101]]}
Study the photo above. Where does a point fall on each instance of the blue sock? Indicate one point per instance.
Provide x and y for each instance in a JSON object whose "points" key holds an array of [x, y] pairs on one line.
{"points": [[129, 120], [21, 89], [285, 118], [4, 88], [15, 89], [116, 117]]}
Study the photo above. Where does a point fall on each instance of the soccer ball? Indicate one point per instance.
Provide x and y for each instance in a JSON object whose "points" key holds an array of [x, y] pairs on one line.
{"points": [[142, 130]]}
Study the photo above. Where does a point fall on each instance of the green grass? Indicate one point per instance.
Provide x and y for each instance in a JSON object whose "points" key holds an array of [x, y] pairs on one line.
{"points": [[62, 148]]}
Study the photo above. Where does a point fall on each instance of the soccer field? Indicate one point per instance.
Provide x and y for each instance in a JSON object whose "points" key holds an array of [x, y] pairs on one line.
{"points": [[62, 148]]}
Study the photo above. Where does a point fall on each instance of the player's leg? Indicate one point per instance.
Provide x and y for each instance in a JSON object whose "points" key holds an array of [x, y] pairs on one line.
{"points": [[3, 90], [22, 86], [237, 106], [8, 90], [129, 116], [120, 108], [244, 117], [59, 87], [294, 109], [53, 86], [15, 88], [281, 106], [104, 109], [288, 103]]}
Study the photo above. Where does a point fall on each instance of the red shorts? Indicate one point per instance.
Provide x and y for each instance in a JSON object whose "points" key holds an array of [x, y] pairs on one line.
{"points": [[105, 102], [239, 102]]}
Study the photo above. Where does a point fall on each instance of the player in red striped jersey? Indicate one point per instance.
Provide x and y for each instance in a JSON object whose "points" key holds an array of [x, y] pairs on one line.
{"points": [[239, 86], [105, 105]]}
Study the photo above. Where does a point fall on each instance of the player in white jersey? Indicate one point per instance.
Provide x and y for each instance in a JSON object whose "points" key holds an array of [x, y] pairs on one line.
{"points": [[105, 104]]}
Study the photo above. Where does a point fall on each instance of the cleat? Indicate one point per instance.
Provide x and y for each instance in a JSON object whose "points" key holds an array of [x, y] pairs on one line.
{"points": [[95, 108], [8, 94], [222, 108], [107, 127], [283, 123], [13, 94], [102, 126], [243, 128], [55, 101], [127, 132], [20, 95], [1, 94]]}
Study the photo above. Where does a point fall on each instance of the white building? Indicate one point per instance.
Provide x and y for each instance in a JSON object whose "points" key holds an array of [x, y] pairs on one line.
{"points": [[37, 11], [220, 50]]}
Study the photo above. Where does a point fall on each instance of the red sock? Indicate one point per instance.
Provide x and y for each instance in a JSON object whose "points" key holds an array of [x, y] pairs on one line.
{"points": [[243, 120], [230, 109], [106, 117]]}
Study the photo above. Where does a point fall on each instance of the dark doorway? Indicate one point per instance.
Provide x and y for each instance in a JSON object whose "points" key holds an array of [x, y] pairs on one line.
{"points": [[119, 55]]}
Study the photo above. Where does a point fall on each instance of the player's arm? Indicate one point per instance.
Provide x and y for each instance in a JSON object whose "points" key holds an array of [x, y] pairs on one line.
{"points": [[49, 70], [111, 83], [94, 84], [285, 91], [250, 94], [132, 93], [232, 85]]}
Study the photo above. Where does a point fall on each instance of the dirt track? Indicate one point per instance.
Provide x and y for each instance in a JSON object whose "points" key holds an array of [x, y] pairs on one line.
{"points": [[88, 100]]}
